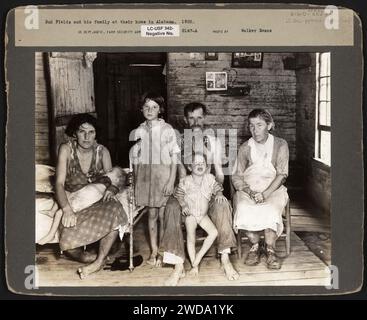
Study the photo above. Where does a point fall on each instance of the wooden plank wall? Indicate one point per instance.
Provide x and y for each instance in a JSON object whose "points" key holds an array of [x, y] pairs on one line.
{"points": [[72, 89], [317, 175], [41, 113], [71, 84], [272, 88]]}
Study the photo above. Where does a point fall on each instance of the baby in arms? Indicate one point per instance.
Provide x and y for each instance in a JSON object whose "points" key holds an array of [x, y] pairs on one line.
{"points": [[84, 198]]}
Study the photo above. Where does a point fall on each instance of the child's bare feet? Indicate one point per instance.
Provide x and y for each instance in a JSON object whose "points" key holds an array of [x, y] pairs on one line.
{"points": [[152, 260], [95, 266], [158, 262], [194, 271], [177, 273]]}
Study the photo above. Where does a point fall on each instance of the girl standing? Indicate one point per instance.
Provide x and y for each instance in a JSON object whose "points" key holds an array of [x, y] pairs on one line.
{"points": [[155, 164]]}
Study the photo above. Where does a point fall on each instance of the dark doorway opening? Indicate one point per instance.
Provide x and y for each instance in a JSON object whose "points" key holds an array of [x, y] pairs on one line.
{"points": [[120, 79]]}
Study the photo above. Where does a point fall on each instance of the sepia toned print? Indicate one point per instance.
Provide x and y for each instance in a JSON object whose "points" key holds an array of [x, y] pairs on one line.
{"points": [[170, 150], [264, 223]]}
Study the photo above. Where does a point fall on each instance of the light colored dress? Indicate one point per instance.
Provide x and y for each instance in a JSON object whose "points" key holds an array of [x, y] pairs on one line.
{"points": [[152, 155], [257, 166], [197, 197]]}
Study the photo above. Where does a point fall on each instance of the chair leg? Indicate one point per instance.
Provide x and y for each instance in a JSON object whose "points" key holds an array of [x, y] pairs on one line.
{"points": [[239, 244], [288, 231]]}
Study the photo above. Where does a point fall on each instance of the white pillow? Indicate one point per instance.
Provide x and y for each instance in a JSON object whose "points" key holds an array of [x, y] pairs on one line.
{"points": [[45, 178]]}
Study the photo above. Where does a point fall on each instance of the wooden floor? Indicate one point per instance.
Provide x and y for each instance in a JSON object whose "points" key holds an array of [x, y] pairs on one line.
{"points": [[302, 267], [307, 218]]}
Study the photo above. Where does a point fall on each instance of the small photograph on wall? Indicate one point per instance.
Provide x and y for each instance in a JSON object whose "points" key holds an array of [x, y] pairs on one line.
{"points": [[216, 81], [247, 60], [211, 55]]}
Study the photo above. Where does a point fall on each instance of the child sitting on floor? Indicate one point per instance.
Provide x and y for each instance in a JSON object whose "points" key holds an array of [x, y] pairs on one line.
{"points": [[85, 197], [194, 193]]}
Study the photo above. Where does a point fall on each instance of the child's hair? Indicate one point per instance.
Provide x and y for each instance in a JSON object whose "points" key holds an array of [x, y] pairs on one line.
{"points": [[191, 107], [117, 176], [79, 119], [263, 114], [194, 154], [154, 96]]}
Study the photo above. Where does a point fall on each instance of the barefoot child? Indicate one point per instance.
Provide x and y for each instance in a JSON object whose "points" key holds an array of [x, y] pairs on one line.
{"points": [[85, 197], [155, 164], [194, 193]]}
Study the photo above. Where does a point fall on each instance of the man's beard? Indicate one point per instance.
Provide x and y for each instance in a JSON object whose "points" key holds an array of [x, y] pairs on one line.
{"points": [[197, 128]]}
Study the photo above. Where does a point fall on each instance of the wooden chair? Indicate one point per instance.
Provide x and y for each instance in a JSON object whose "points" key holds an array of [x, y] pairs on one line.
{"points": [[285, 235]]}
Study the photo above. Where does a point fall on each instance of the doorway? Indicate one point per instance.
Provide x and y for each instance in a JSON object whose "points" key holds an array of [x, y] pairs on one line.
{"points": [[120, 79]]}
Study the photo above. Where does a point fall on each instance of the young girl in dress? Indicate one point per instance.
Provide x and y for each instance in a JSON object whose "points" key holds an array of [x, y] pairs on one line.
{"points": [[155, 164]]}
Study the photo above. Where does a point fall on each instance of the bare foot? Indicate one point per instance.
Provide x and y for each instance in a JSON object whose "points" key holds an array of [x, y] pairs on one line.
{"points": [[46, 239], [158, 262], [194, 271], [177, 273], [95, 266], [229, 271], [152, 260]]}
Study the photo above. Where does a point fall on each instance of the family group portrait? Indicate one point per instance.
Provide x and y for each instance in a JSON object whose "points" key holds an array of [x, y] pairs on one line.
{"points": [[182, 169]]}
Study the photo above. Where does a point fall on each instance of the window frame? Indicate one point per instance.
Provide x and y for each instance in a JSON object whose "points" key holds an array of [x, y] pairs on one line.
{"points": [[319, 128]]}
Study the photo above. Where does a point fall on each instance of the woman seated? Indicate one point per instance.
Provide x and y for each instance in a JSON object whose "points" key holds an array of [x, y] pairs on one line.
{"points": [[80, 160], [260, 171]]}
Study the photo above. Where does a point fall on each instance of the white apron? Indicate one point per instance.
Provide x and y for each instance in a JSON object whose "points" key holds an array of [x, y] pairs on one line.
{"points": [[267, 215]]}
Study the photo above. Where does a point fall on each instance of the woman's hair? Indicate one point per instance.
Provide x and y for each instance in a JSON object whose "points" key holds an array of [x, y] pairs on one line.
{"points": [[192, 106], [154, 96], [79, 119], [263, 114]]}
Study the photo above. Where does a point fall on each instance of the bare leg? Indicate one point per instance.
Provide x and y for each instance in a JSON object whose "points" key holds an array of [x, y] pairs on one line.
{"points": [[161, 222], [221, 215], [191, 225], [177, 273], [253, 256], [55, 225], [254, 237], [105, 245], [271, 258], [80, 255], [270, 238], [229, 271], [153, 233], [161, 210], [212, 232]]}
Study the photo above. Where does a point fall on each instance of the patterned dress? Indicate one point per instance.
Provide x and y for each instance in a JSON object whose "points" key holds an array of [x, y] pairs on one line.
{"points": [[96, 221]]}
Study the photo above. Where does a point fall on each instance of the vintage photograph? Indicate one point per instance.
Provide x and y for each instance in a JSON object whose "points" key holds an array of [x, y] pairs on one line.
{"points": [[216, 81], [247, 59], [159, 169]]}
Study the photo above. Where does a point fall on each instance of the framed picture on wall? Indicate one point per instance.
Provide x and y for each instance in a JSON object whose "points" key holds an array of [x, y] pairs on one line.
{"points": [[247, 59], [216, 81], [211, 55]]}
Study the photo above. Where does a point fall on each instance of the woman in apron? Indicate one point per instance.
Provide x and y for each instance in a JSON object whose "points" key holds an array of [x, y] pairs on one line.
{"points": [[260, 171]]}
